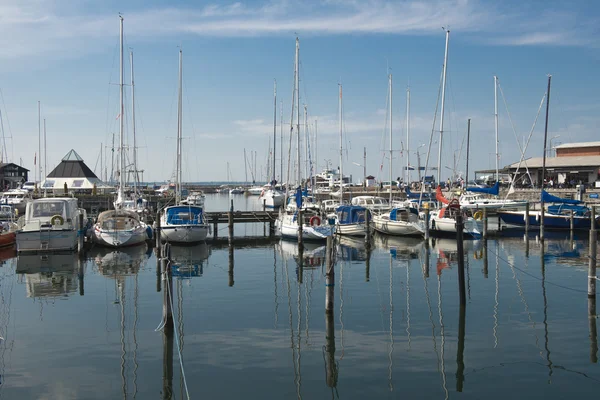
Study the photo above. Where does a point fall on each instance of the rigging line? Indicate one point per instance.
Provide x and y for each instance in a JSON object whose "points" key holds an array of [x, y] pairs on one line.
{"points": [[536, 277], [7, 123]]}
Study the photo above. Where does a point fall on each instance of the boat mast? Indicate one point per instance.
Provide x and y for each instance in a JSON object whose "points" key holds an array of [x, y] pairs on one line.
{"points": [[121, 119], [408, 135], [274, 127], [468, 143], [39, 157], [316, 148], [439, 172], [545, 142], [496, 121], [179, 123], [45, 158], [297, 87], [306, 142], [135, 171], [341, 147], [390, 90], [281, 141]]}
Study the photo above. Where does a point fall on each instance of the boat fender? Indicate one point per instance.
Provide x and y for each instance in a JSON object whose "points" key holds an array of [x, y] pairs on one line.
{"points": [[315, 220], [57, 220], [478, 216]]}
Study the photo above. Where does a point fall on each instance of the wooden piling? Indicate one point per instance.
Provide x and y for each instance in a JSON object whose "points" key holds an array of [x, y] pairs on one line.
{"points": [[427, 224], [329, 277], [485, 258], [542, 222], [485, 223], [80, 273], [80, 235], [216, 227], [368, 264], [461, 260], [231, 264], [592, 317], [571, 222], [368, 229], [167, 383], [157, 235], [331, 374], [230, 222], [427, 259], [526, 217], [460, 360], [592, 255], [167, 293]]}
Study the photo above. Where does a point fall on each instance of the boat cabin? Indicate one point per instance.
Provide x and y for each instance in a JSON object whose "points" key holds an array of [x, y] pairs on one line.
{"points": [[372, 203], [351, 215]]}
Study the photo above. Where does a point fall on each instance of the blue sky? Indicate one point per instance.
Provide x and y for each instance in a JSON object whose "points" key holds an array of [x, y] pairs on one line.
{"points": [[64, 53]]}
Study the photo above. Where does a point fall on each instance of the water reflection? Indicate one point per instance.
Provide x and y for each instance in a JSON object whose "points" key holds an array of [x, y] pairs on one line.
{"points": [[119, 262], [188, 261], [312, 256], [49, 275], [351, 248]]}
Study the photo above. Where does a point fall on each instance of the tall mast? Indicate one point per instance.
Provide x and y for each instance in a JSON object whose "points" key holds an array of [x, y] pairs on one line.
{"points": [[306, 142], [316, 148], [390, 90], [179, 124], [297, 87], [274, 126], [408, 135], [281, 140], [245, 165], [45, 158], [468, 144], [341, 146], [545, 136], [135, 170], [496, 121], [121, 118], [39, 157], [439, 172]]}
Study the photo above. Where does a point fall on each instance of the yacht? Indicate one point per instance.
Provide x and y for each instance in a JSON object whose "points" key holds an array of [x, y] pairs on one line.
{"points": [[372, 203], [351, 221], [477, 198], [400, 221], [17, 198], [195, 198], [120, 228], [312, 229], [50, 224]]}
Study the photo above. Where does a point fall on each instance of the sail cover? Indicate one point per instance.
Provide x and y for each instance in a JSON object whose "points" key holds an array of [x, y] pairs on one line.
{"points": [[439, 196], [494, 190], [548, 198]]}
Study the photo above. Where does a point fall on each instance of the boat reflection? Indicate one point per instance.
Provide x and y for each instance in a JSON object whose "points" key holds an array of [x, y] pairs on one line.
{"points": [[400, 247], [122, 261], [49, 275], [351, 248], [313, 254], [6, 253], [188, 261]]}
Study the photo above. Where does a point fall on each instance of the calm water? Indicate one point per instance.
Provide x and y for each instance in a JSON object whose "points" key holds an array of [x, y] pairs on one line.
{"points": [[246, 324]]}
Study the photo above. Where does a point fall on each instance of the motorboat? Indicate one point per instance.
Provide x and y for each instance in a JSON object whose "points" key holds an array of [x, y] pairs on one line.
{"points": [[183, 224], [120, 228], [236, 190], [478, 198], [372, 203], [50, 224], [255, 190], [195, 198], [351, 221], [7, 212], [402, 221], [17, 198]]}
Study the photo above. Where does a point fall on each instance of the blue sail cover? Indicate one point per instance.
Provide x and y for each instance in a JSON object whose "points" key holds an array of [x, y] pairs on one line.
{"points": [[351, 214], [494, 190], [299, 197], [184, 215], [548, 198], [411, 195]]}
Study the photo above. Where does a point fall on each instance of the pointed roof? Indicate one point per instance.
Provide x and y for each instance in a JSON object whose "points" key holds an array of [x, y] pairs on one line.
{"points": [[72, 166], [72, 156]]}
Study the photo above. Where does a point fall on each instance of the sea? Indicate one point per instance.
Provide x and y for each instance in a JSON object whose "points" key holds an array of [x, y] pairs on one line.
{"points": [[250, 320]]}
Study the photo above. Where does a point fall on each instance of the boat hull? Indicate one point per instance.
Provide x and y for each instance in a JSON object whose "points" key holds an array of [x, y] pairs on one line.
{"points": [[191, 233], [396, 228], [46, 240], [517, 218], [448, 226], [7, 239], [272, 200], [119, 238], [358, 229], [290, 231]]}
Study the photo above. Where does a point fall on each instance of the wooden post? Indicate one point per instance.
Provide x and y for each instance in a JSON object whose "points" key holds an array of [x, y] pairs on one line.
{"points": [[542, 222], [230, 222], [593, 329], [368, 229], [329, 277], [167, 293], [427, 259], [526, 217], [485, 259], [460, 360], [80, 235], [571, 222], [271, 227], [368, 265], [216, 226], [485, 223], [331, 374], [231, 264], [427, 223], [592, 255], [80, 273], [167, 388], [157, 234], [461, 260]]}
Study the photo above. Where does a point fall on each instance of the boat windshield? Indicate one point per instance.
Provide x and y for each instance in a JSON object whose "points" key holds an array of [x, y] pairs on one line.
{"points": [[47, 209]]}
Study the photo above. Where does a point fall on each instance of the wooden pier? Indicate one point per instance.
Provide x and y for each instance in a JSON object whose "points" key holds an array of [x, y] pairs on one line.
{"points": [[240, 217]]}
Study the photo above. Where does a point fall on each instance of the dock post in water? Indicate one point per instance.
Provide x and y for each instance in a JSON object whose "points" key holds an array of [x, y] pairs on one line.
{"points": [[526, 217], [427, 225], [592, 256], [460, 360], [461, 259], [167, 293], [571, 222], [80, 235], [167, 390], [157, 235], [542, 222], [485, 258], [80, 274], [329, 277], [485, 223], [231, 264], [368, 229], [230, 222]]}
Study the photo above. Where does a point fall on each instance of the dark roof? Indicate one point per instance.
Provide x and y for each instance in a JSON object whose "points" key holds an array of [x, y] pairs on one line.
{"points": [[2, 165], [72, 169]]}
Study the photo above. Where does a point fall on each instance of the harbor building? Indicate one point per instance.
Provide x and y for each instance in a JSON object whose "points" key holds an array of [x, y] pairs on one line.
{"points": [[12, 175], [73, 173]]}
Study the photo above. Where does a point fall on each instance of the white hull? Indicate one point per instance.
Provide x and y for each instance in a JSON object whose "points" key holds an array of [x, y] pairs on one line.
{"points": [[119, 238], [46, 240], [273, 199], [192, 233], [492, 204], [288, 228], [383, 224], [254, 191], [448, 225], [358, 229]]}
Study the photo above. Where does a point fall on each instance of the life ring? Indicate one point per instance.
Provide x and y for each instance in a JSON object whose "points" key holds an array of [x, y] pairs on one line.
{"points": [[478, 216], [56, 218], [315, 220]]}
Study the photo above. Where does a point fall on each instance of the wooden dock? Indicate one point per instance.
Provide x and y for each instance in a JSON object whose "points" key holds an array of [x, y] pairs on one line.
{"points": [[240, 217]]}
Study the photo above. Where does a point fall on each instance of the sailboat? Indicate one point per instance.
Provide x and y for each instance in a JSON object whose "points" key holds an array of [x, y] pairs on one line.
{"points": [[287, 222], [120, 227], [182, 223], [272, 197], [399, 220]]}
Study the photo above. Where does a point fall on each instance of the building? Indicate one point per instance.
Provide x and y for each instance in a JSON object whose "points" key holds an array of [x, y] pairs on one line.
{"points": [[73, 172], [12, 176], [574, 163]]}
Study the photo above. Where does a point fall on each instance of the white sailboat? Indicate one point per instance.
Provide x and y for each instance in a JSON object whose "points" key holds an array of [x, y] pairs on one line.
{"points": [[402, 221], [120, 227], [271, 197], [287, 222], [182, 223]]}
